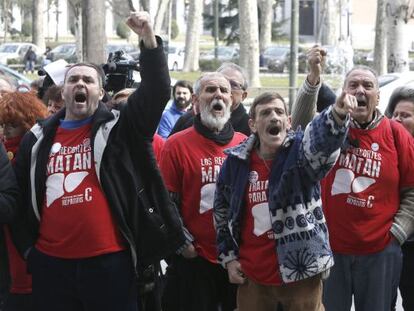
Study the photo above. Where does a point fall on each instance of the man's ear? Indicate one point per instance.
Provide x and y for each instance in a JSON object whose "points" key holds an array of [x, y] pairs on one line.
{"points": [[102, 93], [289, 123], [244, 95], [252, 125], [378, 97], [194, 101]]}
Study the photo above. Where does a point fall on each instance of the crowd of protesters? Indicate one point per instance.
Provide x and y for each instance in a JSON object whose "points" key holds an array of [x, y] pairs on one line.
{"points": [[248, 211]]}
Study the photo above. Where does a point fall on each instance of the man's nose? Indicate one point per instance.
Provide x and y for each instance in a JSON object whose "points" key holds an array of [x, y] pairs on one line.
{"points": [[360, 89]]}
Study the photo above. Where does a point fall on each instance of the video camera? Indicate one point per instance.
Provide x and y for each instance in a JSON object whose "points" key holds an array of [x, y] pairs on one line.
{"points": [[119, 71]]}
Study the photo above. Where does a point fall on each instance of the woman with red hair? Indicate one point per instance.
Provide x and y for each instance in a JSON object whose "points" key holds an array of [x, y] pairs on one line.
{"points": [[18, 113]]}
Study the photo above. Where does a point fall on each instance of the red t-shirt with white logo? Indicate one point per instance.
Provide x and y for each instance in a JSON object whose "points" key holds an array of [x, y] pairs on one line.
{"points": [[190, 165], [361, 194], [76, 221], [258, 245]]}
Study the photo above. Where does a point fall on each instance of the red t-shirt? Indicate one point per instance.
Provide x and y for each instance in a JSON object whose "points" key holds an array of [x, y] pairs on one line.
{"points": [[157, 145], [190, 164], [361, 194], [76, 220], [21, 281], [258, 245]]}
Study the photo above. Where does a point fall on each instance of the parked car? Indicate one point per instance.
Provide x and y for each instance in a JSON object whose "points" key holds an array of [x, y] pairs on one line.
{"points": [[224, 54], [20, 81], [65, 51], [389, 82], [17, 51], [176, 55], [275, 58]]}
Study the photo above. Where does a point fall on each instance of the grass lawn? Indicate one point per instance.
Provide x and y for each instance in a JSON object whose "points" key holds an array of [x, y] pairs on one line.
{"points": [[269, 82]]}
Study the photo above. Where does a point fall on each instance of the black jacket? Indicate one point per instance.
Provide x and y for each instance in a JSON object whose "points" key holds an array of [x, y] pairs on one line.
{"points": [[125, 165], [8, 206]]}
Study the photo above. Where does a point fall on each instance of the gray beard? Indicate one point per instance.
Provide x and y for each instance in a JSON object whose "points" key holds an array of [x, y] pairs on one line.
{"points": [[212, 122]]}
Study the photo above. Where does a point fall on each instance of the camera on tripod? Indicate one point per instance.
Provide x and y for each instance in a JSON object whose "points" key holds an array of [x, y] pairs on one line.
{"points": [[119, 71]]}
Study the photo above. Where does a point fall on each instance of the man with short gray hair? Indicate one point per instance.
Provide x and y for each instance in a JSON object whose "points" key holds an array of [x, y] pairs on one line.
{"points": [[190, 163]]}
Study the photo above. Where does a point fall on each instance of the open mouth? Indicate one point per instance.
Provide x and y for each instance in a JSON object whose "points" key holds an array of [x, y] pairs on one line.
{"points": [[273, 130], [362, 102], [217, 107], [80, 97]]}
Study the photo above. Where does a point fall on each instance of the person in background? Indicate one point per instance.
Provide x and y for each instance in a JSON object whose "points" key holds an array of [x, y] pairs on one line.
{"points": [[29, 60], [18, 113], [96, 211], [53, 99], [238, 81], [190, 162], [368, 197], [182, 92], [401, 109], [47, 57]]}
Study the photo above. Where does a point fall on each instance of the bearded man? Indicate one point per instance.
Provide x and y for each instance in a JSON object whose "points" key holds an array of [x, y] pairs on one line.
{"points": [[190, 163], [182, 92]]}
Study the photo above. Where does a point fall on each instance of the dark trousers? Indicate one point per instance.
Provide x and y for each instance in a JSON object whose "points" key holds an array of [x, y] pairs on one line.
{"points": [[371, 279], [197, 284], [102, 283], [18, 302], [406, 280]]}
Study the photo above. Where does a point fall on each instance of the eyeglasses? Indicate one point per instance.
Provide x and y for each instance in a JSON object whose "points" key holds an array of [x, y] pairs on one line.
{"points": [[235, 86]]}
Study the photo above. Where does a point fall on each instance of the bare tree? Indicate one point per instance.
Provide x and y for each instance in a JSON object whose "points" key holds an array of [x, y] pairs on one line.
{"points": [[131, 6], [192, 47], [37, 30], [380, 48], [163, 5], [5, 9], [266, 14], [93, 29], [397, 13], [249, 40], [329, 29], [145, 5], [76, 6]]}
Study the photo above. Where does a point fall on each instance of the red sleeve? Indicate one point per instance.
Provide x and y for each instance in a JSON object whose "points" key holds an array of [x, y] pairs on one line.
{"points": [[170, 167], [157, 145], [404, 144]]}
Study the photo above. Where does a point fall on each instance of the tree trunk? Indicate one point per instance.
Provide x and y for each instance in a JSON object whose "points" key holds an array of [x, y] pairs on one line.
{"points": [[396, 12], [249, 40], [93, 29], [5, 12], [163, 5], [266, 10], [145, 6], [192, 38], [380, 49], [329, 32], [37, 31]]}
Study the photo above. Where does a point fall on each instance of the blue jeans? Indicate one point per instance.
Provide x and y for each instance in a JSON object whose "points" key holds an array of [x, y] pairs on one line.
{"points": [[372, 280], [102, 283]]}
